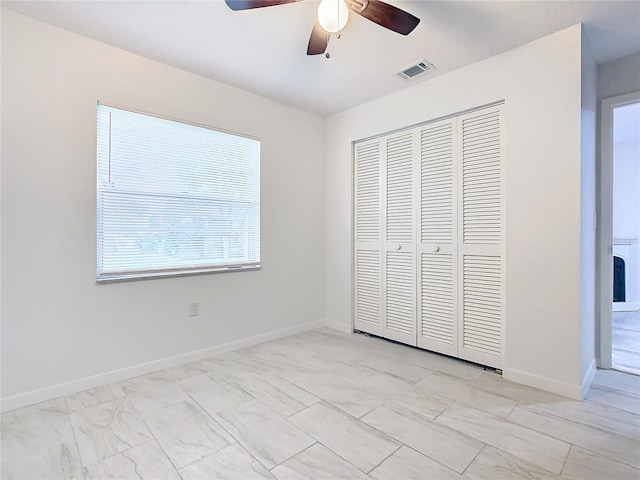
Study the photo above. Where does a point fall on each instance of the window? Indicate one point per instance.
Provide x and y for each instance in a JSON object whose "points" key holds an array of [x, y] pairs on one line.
{"points": [[174, 198]]}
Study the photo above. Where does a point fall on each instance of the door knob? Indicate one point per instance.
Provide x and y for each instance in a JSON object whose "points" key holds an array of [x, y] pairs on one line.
{"points": [[399, 247], [436, 249]]}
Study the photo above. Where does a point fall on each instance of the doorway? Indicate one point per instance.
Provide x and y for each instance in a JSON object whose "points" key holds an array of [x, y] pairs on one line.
{"points": [[619, 234]]}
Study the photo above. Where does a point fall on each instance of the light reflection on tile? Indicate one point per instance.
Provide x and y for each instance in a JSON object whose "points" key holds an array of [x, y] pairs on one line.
{"points": [[585, 465], [494, 464], [535, 447], [231, 463], [213, 395], [407, 464], [265, 434], [438, 442], [317, 463], [623, 449], [144, 462], [187, 433], [38, 442], [152, 392], [107, 429], [279, 394], [93, 397], [356, 442]]}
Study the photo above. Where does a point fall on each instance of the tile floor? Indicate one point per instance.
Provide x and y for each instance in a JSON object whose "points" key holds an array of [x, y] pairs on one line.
{"points": [[326, 405], [625, 351]]}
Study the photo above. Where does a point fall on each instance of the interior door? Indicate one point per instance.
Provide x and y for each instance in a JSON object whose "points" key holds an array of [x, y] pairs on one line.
{"points": [[437, 232]]}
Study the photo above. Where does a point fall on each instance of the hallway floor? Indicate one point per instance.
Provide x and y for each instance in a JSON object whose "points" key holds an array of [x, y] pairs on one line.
{"points": [[626, 342]]}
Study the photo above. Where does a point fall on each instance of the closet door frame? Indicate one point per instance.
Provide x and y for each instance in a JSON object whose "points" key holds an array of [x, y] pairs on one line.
{"points": [[458, 250]]}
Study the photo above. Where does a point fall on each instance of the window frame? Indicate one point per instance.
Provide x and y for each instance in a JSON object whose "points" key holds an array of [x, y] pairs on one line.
{"points": [[181, 271]]}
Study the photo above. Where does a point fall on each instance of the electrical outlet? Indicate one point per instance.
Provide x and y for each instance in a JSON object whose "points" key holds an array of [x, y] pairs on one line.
{"points": [[194, 309]]}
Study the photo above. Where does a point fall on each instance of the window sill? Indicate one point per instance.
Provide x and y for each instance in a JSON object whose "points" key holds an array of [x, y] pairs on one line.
{"points": [[137, 276]]}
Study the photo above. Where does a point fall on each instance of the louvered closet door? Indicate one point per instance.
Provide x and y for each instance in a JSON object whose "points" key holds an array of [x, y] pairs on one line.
{"points": [[437, 232], [368, 237], [399, 240], [481, 230]]}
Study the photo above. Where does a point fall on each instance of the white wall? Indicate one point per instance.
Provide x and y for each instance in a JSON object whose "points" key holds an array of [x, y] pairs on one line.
{"points": [[540, 83], [588, 120], [57, 324], [619, 77]]}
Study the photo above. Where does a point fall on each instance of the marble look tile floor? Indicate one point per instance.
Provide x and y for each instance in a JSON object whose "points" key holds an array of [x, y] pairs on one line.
{"points": [[625, 348], [324, 405]]}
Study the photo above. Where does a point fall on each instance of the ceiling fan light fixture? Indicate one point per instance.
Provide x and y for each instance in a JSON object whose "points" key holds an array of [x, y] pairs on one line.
{"points": [[333, 15]]}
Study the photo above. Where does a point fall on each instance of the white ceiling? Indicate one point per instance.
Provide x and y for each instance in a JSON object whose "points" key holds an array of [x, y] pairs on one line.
{"points": [[264, 50]]}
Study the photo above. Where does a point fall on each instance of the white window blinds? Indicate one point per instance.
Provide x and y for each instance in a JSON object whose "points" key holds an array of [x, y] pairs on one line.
{"points": [[174, 198]]}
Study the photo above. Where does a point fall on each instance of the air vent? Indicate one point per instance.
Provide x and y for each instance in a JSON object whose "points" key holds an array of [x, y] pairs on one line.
{"points": [[418, 68]]}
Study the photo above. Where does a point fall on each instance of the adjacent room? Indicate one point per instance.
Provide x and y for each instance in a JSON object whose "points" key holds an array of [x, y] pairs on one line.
{"points": [[336, 239]]}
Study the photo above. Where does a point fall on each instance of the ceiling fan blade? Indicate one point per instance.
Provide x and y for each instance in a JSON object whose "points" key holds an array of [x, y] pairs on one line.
{"points": [[248, 4], [318, 41], [386, 15]]}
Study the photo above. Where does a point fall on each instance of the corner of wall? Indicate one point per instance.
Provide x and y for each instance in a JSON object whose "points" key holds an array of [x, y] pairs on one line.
{"points": [[544, 383], [588, 107], [339, 326]]}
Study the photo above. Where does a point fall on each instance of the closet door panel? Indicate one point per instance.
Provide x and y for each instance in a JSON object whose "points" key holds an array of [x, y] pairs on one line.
{"points": [[399, 242], [481, 224], [368, 237], [437, 286]]}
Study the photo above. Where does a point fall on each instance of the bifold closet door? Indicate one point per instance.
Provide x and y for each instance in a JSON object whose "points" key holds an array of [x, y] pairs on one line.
{"points": [[437, 232], [399, 265], [368, 237], [480, 238]]}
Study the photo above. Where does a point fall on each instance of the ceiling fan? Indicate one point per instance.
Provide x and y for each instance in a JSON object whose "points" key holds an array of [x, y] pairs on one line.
{"points": [[333, 15]]}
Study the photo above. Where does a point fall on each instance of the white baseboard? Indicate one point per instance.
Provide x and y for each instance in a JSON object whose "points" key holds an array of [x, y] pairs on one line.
{"points": [[544, 383], [67, 388], [340, 326], [626, 306], [588, 378]]}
